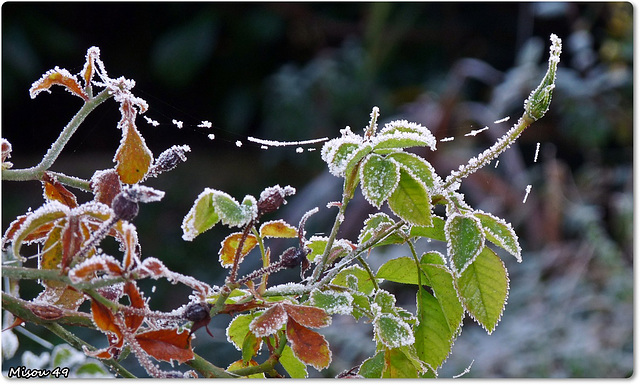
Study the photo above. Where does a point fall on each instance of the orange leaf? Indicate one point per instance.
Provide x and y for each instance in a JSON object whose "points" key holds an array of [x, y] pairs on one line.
{"points": [[133, 321], [61, 77], [93, 53], [167, 344], [133, 157], [308, 316], [106, 185], [278, 229], [54, 190], [104, 319], [230, 246], [130, 243], [269, 322], [310, 347], [87, 269]]}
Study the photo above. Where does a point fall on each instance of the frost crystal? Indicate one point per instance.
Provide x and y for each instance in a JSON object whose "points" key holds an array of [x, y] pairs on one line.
{"points": [[535, 157], [144, 194], [447, 139], [205, 124], [276, 143], [502, 120], [526, 195], [152, 122], [299, 150], [211, 136], [476, 132], [178, 123], [238, 143]]}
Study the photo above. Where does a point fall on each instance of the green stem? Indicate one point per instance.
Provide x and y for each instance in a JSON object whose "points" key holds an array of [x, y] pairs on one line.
{"points": [[208, 369], [37, 172], [266, 366], [22, 309], [17, 272], [367, 268], [334, 232]]}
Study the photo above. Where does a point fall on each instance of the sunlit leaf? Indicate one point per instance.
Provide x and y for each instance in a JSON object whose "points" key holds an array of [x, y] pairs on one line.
{"points": [[166, 344], [308, 346], [229, 247], [410, 201], [87, 270], [483, 288], [278, 229], [465, 240], [500, 233], [379, 177], [58, 76], [309, 316], [269, 322], [292, 364], [401, 270], [401, 133], [317, 245], [133, 157]]}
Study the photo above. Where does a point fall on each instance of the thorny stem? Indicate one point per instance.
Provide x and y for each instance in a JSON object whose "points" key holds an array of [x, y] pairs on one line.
{"points": [[37, 172]]}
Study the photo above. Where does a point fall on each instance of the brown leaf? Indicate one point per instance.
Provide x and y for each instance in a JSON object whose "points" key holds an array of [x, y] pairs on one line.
{"points": [[230, 246], [54, 190], [269, 322], [71, 241], [133, 157], [88, 269], [104, 319], [59, 76], [308, 316], [310, 347], [133, 321], [106, 185], [167, 344]]}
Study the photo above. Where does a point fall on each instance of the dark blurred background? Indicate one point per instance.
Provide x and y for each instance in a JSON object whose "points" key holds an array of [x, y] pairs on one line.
{"points": [[294, 71]]}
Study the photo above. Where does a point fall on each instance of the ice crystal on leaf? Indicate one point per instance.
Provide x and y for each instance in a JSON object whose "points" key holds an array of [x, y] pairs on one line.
{"points": [[392, 331], [59, 76]]}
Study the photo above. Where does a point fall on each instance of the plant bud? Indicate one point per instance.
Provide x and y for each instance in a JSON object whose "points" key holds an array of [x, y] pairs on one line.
{"points": [[272, 198], [292, 257], [124, 208], [197, 311]]}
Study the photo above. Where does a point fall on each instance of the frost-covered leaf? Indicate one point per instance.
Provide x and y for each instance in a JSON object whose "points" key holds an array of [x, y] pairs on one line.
{"points": [[392, 331], [379, 178], [401, 270], [106, 185], [229, 247], [308, 346], [133, 158], [234, 214], [317, 245], [93, 55], [376, 224], [402, 134], [419, 168], [308, 316], [364, 284], [411, 201], [133, 321], [58, 76], [483, 288], [500, 233], [435, 231], [104, 318], [55, 191], [440, 319], [202, 215], [238, 329], [336, 152], [100, 263], [167, 344], [292, 364], [333, 302], [372, 367], [41, 218], [269, 322], [169, 159], [278, 229], [385, 300], [250, 347], [465, 240]]}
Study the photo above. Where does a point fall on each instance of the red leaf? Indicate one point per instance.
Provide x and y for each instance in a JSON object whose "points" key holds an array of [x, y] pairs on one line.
{"points": [[104, 319], [308, 316], [71, 241], [167, 344], [54, 190], [59, 76], [269, 322], [310, 347], [133, 321], [230, 246], [133, 157], [106, 185]]}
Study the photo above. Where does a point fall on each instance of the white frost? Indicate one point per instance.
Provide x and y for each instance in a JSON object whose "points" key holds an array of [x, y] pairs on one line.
{"points": [[502, 120], [276, 143], [447, 139], [178, 123], [205, 124], [535, 157], [526, 195]]}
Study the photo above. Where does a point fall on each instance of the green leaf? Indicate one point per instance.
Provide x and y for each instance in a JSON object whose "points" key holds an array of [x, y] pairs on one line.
{"points": [[364, 283], [238, 329], [402, 134], [233, 214], [398, 365], [333, 302], [292, 364], [372, 367], [356, 156], [385, 300], [500, 233], [432, 257], [483, 288], [392, 331], [435, 231], [376, 224], [410, 201], [419, 168], [465, 240], [379, 177], [401, 270], [250, 347], [317, 245]]}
